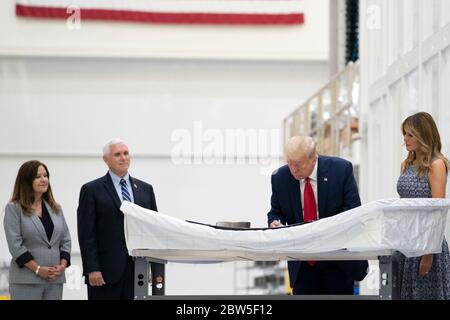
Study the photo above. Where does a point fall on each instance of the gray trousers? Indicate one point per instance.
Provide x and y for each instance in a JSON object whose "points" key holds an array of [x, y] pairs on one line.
{"points": [[48, 291]]}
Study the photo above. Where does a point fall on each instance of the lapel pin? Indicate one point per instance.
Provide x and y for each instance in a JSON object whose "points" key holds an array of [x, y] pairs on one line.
{"points": [[135, 186], [325, 179]]}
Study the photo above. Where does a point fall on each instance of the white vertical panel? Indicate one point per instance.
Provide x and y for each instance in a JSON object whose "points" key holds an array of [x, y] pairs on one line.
{"points": [[373, 24], [374, 141], [384, 45], [445, 13], [426, 21], [444, 119], [407, 100], [436, 7], [412, 91], [399, 30], [377, 62], [430, 97], [416, 22], [393, 138], [368, 32], [408, 25], [391, 34], [380, 62], [366, 41], [382, 182]]}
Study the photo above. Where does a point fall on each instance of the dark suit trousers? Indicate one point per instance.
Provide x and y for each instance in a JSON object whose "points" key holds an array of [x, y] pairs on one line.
{"points": [[122, 290], [324, 278]]}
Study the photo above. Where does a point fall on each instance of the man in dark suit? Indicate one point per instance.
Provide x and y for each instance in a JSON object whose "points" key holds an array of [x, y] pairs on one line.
{"points": [[308, 188], [107, 266]]}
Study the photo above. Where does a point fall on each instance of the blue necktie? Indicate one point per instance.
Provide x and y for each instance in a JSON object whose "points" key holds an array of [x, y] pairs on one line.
{"points": [[125, 192]]}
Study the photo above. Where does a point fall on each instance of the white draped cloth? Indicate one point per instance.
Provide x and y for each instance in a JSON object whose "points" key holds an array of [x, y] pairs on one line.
{"points": [[412, 226]]}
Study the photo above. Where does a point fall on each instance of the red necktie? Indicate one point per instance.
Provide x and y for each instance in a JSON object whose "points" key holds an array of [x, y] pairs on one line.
{"points": [[309, 207]]}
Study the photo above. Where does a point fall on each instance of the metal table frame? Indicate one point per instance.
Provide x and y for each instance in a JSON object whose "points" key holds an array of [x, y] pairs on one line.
{"points": [[388, 281]]}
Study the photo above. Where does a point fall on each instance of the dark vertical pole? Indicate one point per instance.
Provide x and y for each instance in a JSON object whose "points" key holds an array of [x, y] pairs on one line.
{"points": [[140, 278], [158, 279], [389, 289], [352, 30]]}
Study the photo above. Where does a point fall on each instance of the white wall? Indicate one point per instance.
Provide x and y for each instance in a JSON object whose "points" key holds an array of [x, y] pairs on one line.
{"points": [[64, 93], [62, 110], [108, 39], [399, 78], [405, 68]]}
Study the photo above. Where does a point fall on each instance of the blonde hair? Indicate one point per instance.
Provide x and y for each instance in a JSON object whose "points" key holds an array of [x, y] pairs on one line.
{"points": [[423, 128]]}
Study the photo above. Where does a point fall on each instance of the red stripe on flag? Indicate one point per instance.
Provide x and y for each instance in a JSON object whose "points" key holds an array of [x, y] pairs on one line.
{"points": [[161, 17]]}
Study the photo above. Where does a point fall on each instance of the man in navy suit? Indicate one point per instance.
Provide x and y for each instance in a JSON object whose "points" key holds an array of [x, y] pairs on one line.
{"points": [[107, 266], [312, 187]]}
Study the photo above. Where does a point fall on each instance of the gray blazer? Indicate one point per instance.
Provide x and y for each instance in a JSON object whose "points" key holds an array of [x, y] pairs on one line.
{"points": [[24, 233]]}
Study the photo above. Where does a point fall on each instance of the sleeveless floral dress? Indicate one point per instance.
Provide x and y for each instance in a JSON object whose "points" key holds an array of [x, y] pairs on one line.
{"points": [[436, 284]]}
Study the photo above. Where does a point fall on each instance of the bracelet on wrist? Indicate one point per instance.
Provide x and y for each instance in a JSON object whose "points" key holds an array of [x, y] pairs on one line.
{"points": [[37, 269]]}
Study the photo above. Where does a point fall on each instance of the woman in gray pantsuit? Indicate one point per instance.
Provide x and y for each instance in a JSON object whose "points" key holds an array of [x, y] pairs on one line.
{"points": [[37, 235]]}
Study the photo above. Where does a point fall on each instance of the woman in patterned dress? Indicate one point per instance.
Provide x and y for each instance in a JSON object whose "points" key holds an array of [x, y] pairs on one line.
{"points": [[423, 175]]}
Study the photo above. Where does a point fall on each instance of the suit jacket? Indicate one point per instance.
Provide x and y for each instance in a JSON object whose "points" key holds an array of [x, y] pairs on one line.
{"points": [[26, 233], [336, 192], [101, 226]]}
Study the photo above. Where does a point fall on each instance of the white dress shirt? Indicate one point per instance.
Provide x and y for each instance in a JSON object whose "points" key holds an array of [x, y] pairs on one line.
{"points": [[116, 181]]}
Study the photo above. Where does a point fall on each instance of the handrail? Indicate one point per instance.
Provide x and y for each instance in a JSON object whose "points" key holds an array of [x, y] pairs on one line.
{"points": [[331, 115]]}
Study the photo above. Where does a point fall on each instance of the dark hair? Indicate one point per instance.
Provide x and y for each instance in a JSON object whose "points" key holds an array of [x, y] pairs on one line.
{"points": [[423, 128], [23, 193]]}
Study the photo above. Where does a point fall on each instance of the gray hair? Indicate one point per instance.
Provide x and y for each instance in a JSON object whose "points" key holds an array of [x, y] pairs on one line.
{"points": [[107, 146], [303, 145]]}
